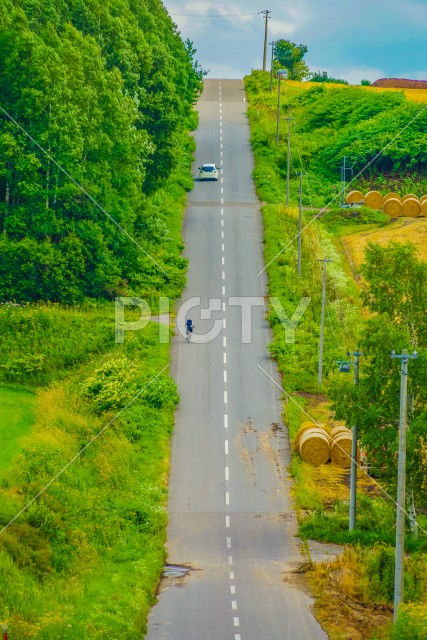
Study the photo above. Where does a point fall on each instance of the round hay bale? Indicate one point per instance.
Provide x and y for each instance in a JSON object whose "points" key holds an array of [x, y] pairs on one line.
{"points": [[423, 207], [303, 428], [393, 208], [354, 197], [411, 208], [337, 430], [374, 200], [408, 196], [390, 195], [314, 446], [341, 449], [423, 199]]}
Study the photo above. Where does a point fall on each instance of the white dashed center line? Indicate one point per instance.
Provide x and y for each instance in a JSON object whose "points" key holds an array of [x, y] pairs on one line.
{"points": [[236, 620]]}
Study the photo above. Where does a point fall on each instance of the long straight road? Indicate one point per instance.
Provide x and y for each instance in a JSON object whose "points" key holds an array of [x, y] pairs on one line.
{"points": [[231, 523]]}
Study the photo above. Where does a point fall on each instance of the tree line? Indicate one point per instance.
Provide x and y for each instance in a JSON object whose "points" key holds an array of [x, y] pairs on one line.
{"points": [[102, 92]]}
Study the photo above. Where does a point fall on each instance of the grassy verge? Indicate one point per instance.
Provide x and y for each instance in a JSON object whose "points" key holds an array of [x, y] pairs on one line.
{"points": [[17, 411], [322, 493], [84, 559]]}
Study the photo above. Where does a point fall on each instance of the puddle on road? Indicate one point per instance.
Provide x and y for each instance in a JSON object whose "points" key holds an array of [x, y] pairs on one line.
{"points": [[175, 571], [174, 575]]}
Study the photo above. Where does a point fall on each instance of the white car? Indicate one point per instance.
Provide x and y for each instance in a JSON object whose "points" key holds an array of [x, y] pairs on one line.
{"points": [[208, 172]]}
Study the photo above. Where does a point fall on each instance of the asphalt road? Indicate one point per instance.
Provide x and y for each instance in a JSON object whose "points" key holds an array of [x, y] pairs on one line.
{"points": [[231, 525]]}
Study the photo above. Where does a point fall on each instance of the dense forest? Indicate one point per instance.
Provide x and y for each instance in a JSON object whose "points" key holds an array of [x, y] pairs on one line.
{"points": [[96, 103]]}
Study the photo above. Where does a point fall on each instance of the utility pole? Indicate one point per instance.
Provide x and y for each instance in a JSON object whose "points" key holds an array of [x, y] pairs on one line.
{"points": [[288, 164], [279, 75], [322, 321], [271, 65], [266, 13], [299, 224], [344, 168], [401, 482], [353, 469]]}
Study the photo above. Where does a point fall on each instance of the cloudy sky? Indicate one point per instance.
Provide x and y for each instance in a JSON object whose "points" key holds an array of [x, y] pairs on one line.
{"points": [[351, 39]]}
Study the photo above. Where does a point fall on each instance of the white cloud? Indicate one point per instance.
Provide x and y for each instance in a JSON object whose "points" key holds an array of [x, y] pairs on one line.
{"points": [[354, 40], [280, 29]]}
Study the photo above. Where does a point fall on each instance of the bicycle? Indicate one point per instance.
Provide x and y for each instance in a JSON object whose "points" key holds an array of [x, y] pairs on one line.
{"points": [[189, 330]]}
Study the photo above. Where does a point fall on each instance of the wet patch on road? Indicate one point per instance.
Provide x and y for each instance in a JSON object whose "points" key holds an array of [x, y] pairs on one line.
{"points": [[174, 575]]}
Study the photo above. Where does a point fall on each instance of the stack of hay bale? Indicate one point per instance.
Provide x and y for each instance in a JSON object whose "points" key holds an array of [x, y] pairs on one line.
{"points": [[410, 206], [317, 446], [313, 444]]}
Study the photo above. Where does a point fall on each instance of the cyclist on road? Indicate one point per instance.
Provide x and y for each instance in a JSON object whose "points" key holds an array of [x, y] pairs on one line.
{"points": [[189, 329]]}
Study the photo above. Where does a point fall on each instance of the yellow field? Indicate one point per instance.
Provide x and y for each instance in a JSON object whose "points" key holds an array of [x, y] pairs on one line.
{"points": [[402, 230], [416, 95]]}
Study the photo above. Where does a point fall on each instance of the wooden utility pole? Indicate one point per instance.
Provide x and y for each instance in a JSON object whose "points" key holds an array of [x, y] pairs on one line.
{"points": [[401, 482], [271, 65], [299, 224], [288, 163], [353, 469], [267, 14]]}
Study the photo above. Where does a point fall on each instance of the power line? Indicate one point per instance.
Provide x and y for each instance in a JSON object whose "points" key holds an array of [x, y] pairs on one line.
{"points": [[225, 15]]}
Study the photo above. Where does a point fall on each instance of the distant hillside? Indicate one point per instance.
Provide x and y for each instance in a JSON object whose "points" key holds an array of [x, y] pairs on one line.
{"points": [[400, 83]]}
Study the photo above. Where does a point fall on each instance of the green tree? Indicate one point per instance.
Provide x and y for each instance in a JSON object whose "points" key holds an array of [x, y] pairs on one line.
{"points": [[290, 56], [106, 89], [395, 294], [322, 76]]}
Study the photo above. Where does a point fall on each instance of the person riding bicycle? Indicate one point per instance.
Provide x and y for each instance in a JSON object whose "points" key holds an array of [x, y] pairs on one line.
{"points": [[190, 326]]}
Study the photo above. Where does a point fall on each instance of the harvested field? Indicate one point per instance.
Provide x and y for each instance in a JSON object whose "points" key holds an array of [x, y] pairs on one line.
{"points": [[402, 230]]}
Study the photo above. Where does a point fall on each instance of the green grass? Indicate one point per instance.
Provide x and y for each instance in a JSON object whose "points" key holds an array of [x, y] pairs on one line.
{"points": [[320, 518], [85, 558], [17, 407]]}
